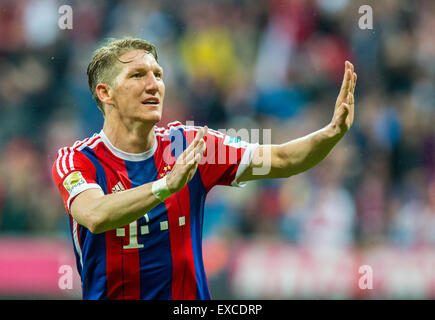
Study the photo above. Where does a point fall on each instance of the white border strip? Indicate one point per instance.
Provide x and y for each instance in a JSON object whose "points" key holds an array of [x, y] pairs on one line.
{"points": [[80, 189], [244, 164], [77, 242]]}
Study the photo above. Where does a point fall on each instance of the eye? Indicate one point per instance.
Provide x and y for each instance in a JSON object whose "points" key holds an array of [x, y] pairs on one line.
{"points": [[135, 75], [158, 75]]}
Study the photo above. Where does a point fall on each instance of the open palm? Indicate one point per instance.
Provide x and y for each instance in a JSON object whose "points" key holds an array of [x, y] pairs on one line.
{"points": [[344, 106]]}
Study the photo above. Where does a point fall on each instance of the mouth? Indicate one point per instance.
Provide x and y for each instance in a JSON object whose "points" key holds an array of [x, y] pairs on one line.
{"points": [[151, 101]]}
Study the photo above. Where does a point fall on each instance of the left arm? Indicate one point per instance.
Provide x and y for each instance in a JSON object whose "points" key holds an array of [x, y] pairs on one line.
{"points": [[301, 154]]}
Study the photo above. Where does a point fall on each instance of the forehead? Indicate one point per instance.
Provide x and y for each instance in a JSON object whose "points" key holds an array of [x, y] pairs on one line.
{"points": [[138, 58]]}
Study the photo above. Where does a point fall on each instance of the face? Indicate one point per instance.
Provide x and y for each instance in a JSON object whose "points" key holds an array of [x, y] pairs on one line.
{"points": [[138, 90]]}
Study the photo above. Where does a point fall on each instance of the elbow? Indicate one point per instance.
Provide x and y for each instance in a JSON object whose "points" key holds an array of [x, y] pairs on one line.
{"points": [[89, 212], [95, 228], [95, 223]]}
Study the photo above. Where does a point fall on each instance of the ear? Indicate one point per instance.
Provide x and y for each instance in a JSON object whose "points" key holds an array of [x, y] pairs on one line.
{"points": [[104, 93]]}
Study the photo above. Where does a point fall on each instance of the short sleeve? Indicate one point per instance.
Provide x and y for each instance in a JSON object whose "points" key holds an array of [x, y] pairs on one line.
{"points": [[72, 174], [225, 159]]}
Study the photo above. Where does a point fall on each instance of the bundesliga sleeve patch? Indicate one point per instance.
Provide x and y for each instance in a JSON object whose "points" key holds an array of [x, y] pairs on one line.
{"points": [[73, 181], [235, 142]]}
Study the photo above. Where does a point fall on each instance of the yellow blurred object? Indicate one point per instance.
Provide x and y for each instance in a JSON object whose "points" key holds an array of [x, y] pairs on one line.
{"points": [[210, 54]]}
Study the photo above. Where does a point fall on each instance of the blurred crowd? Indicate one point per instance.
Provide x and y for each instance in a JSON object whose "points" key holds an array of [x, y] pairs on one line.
{"points": [[271, 64]]}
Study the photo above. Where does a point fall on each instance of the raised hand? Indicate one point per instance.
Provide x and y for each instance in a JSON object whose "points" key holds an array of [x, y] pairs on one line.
{"points": [[344, 106], [185, 167]]}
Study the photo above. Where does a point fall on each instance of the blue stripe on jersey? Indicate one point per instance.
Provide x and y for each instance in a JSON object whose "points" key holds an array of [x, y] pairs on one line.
{"points": [[94, 282], [197, 194], [155, 257], [197, 199]]}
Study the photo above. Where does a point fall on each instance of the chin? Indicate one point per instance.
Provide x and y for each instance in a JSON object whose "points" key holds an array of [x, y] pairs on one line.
{"points": [[153, 117]]}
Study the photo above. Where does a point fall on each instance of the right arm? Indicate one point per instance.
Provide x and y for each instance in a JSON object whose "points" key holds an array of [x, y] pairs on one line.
{"points": [[99, 212]]}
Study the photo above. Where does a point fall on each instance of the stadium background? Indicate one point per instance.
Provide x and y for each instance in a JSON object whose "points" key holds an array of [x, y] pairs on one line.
{"points": [[272, 64]]}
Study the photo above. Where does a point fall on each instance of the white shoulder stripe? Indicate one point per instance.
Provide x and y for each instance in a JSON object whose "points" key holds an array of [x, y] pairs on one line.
{"points": [[87, 143], [80, 142], [65, 155], [59, 156], [71, 162], [95, 143]]}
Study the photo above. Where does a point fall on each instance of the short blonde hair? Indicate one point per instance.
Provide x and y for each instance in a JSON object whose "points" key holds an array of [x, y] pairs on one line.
{"points": [[105, 64]]}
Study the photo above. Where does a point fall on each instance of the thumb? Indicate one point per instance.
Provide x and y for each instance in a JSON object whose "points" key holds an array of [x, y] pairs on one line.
{"points": [[342, 114]]}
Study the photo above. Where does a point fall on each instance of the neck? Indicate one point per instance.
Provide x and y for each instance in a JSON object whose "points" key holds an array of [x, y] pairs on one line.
{"points": [[131, 139]]}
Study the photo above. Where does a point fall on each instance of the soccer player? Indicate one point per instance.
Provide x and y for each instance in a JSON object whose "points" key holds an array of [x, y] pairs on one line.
{"points": [[135, 192]]}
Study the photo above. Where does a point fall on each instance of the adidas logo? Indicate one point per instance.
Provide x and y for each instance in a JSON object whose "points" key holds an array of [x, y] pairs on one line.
{"points": [[118, 187]]}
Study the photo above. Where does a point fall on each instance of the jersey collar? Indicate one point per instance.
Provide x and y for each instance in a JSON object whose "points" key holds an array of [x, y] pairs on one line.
{"points": [[126, 155]]}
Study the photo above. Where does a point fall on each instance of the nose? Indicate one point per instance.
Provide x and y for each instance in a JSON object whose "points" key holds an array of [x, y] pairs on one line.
{"points": [[151, 83]]}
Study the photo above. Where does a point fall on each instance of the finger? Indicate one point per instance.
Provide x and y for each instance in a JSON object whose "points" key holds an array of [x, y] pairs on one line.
{"points": [[346, 82], [350, 95], [199, 137], [203, 148], [355, 77], [198, 149], [195, 141], [198, 158], [351, 67], [201, 152], [187, 156], [350, 99], [201, 134], [352, 77], [345, 76]]}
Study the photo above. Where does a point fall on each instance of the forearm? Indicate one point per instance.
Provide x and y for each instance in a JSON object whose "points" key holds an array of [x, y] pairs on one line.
{"points": [[119, 209], [302, 154]]}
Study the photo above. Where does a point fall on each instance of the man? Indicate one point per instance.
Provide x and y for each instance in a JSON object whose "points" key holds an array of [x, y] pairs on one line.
{"points": [[135, 192]]}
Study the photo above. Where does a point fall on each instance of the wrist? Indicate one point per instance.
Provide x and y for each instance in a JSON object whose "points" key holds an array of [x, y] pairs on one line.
{"points": [[160, 189], [170, 183]]}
